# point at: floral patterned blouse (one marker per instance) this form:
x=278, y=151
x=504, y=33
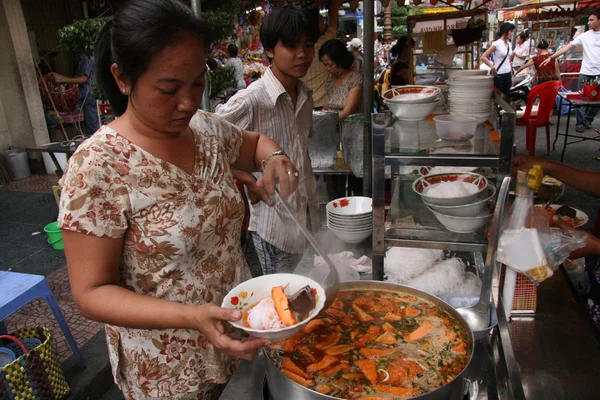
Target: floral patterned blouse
x=181, y=243
x=337, y=95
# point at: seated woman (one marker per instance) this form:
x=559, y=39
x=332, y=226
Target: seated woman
x=344, y=86
x=400, y=71
x=547, y=72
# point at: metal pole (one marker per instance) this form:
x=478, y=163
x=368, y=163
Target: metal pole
x=197, y=10
x=368, y=67
x=196, y=7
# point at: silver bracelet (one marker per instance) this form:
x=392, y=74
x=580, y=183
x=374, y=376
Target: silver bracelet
x=273, y=154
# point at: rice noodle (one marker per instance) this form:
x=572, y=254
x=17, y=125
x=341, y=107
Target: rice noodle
x=264, y=316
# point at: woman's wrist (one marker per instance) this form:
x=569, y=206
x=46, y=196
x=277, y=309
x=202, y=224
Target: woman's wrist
x=273, y=154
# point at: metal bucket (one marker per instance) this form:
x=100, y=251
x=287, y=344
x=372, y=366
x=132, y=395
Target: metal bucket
x=18, y=163
x=324, y=144
x=353, y=134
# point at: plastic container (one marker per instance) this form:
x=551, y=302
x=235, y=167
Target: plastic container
x=457, y=128
x=18, y=163
x=54, y=235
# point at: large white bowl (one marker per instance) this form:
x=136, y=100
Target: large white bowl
x=350, y=227
x=348, y=221
x=350, y=206
x=466, y=73
x=467, y=210
x=461, y=224
x=250, y=292
x=411, y=112
x=351, y=237
x=455, y=127
x=428, y=181
x=414, y=94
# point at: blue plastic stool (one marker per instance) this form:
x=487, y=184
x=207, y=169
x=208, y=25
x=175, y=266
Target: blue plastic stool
x=17, y=290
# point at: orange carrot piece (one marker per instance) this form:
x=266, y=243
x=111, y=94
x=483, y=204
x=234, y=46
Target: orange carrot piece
x=339, y=349
x=396, y=390
x=282, y=306
x=353, y=377
x=420, y=332
x=329, y=341
x=362, y=315
x=389, y=328
x=305, y=353
x=290, y=366
x=431, y=313
x=392, y=317
x=354, y=334
x=460, y=348
x=335, y=313
x=337, y=304
x=450, y=335
x=321, y=365
x=386, y=338
x=368, y=368
x=298, y=379
x=411, y=312
x=374, y=353
x=290, y=343
x=374, y=398
x=323, y=389
x=313, y=325
x=372, y=331
x=335, y=369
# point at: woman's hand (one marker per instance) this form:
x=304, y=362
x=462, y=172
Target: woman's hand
x=279, y=170
x=257, y=194
x=592, y=246
x=493, y=71
x=546, y=61
x=209, y=321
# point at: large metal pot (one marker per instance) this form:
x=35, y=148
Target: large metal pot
x=283, y=388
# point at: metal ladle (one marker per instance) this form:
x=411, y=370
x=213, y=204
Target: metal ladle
x=478, y=316
x=331, y=283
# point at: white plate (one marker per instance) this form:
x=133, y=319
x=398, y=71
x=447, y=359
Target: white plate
x=583, y=217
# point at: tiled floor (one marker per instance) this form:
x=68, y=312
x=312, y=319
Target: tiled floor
x=26, y=206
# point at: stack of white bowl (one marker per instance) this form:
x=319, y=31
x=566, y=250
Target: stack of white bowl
x=463, y=214
x=412, y=102
x=351, y=218
x=470, y=93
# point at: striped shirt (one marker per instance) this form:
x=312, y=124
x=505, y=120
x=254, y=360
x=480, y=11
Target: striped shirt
x=266, y=107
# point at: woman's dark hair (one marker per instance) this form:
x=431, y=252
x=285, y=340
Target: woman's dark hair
x=398, y=48
x=338, y=53
x=543, y=44
x=524, y=36
x=232, y=50
x=288, y=24
x=505, y=28
x=136, y=33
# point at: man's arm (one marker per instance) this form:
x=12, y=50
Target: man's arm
x=566, y=48
x=79, y=80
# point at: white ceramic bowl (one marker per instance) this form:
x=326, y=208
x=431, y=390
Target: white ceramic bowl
x=455, y=127
x=350, y=206
x=351, y=221
x=461, y=224
x=352, y=237
x=426, y=182
x=467, y=210
x=250, y=292
x=466, y=73
x=413, y=94
x=411, y=112
x=350, y=227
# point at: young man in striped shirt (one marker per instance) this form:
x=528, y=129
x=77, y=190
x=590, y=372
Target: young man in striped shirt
x=280, y=106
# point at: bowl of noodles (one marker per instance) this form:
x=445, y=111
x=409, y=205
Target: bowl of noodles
x=265, y=304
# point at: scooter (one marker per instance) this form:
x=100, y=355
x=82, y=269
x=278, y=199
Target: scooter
x=520, y=90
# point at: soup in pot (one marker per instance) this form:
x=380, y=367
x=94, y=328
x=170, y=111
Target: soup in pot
x=375, y=345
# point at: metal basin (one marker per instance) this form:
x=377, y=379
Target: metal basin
x=324, y=144
x=283, y=388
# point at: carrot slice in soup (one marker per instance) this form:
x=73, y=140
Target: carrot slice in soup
x=290, y=343
x=339, y=349
x=313, y=325
x=323, y=389
x=362, y=315
x=298, y=379
x=392, y=317
x=372, y=331
x=330, y=341
x=411, y=312
x=368, y=368
x=396, y=391
x=388, y=328
x=460, y=348
x=386, y=338
x=374, y=398
x=420, y=332
x=321, y=365
x=282, y=306
x=335, y=313
x=353, y=377
x=335, y=369
x=374, y=353
x=290, y=366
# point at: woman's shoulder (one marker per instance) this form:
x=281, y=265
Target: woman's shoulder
x=355, y=78
x=209, y=124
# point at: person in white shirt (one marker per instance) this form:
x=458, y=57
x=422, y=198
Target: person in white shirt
x=502, y=50
x=521, y=52
x=234, y=62
x=590, y=66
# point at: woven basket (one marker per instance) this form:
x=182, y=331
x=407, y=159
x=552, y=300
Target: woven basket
x=36, y=375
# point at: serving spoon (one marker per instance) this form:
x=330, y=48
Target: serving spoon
x=478, y=316
x=331, y=283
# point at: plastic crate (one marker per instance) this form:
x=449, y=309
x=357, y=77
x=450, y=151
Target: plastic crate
x=525, y=300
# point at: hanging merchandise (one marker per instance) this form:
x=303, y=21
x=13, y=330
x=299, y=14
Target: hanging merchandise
x=528, y=245
x=433, y=42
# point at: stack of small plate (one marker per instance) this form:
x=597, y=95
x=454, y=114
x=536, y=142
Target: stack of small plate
x=351, y=218
x=471, y=95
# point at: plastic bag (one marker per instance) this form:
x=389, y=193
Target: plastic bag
x=528, y=244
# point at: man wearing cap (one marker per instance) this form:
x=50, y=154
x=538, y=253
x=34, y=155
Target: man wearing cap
x=317, y=74
x=354, y=46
